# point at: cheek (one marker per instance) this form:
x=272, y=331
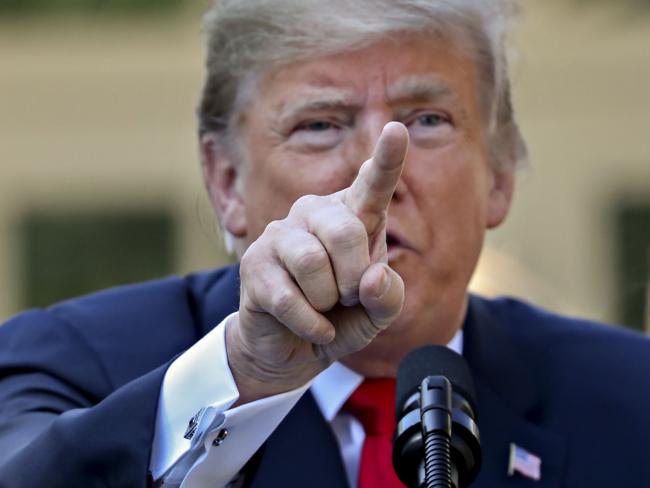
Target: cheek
x=308, y=174
x=451, y=197
x=449, y=184
x=267, y=198
x=274, y=184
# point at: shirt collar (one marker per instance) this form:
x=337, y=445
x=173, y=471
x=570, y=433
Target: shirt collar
x=332, y=388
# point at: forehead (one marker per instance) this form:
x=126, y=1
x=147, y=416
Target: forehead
x=404, y=67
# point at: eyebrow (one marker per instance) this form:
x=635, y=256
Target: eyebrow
x=419, y=88
x=408, y=89
x=424, y=89
x=323, y=100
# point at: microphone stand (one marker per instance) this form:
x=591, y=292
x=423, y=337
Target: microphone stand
x=436, y=422
x=437, y=441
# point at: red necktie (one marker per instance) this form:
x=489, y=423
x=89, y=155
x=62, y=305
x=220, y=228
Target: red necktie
x=373, y=404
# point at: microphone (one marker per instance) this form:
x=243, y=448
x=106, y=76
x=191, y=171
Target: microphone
x=437, y=442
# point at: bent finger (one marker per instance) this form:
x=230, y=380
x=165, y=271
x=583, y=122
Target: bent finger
x=381, y=292
x=344, y=237
x=307, y=261
x=275, y=293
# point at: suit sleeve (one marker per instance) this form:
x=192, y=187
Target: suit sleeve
x=200, y=380
x=62, y=422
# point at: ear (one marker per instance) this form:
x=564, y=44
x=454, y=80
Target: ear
x=222, y=177
x=503, y=184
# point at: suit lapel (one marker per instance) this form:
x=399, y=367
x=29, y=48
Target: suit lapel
x=304, y=452
x=509, y=403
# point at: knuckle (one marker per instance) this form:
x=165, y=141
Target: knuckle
x=349, y=233
x=274, y=227
x=249, y=262
x=311, y=260
x=282, y=302
x=306, y=201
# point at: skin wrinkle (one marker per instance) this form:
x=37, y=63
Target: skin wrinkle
x=240, y=43
x=407, y=91
x=236, y=147
x=444, y=200
x=322, y=101
x=264, y=58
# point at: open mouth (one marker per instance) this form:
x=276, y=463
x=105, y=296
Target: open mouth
x=392, y=242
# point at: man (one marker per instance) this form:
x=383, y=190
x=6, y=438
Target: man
x=346, y=266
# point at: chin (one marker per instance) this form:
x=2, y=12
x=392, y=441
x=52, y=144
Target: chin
x=405, y=330
x=397, y=327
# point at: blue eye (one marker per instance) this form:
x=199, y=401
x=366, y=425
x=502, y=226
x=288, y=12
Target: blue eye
x=316, y=126
x=430, y=120
x=430, y=129
x=317, y=134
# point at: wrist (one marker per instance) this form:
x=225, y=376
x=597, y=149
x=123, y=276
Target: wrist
x=257, y=379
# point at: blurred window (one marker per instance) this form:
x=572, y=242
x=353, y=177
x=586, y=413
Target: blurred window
x=90, y=6
x=633, y=220
x=66, y=255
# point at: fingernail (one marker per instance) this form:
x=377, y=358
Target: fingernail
x=350, y=300
x=385, y=282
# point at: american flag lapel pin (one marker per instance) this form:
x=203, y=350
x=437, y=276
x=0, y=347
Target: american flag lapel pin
x=525, y=463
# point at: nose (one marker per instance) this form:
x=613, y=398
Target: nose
x=368, y=131
x=368, y=128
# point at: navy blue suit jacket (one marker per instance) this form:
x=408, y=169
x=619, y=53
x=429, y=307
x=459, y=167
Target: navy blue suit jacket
x=79, y=385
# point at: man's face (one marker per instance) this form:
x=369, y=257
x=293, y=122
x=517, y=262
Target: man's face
x=311, y=125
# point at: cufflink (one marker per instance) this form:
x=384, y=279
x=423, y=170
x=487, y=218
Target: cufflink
x=221, y=436
x=193, y=424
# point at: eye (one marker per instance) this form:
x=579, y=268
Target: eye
x=430, y=120
x=316, y=126
x=429, y=129
x=317, y=134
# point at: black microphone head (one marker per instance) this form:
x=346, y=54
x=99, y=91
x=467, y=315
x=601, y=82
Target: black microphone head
x=433, y=361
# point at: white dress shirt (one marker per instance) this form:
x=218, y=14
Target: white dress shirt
x=199, y=441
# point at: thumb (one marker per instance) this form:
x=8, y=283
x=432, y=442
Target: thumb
x=381, y=292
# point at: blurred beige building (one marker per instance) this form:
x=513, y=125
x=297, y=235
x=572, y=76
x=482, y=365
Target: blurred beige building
x=97, y=116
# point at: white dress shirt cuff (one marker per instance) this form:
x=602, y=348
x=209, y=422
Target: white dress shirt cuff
x=197, y=440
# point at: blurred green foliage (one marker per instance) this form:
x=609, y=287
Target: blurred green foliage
x=36, y=7
x=66, y=255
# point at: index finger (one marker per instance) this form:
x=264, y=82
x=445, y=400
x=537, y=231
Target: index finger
x=372, y=190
